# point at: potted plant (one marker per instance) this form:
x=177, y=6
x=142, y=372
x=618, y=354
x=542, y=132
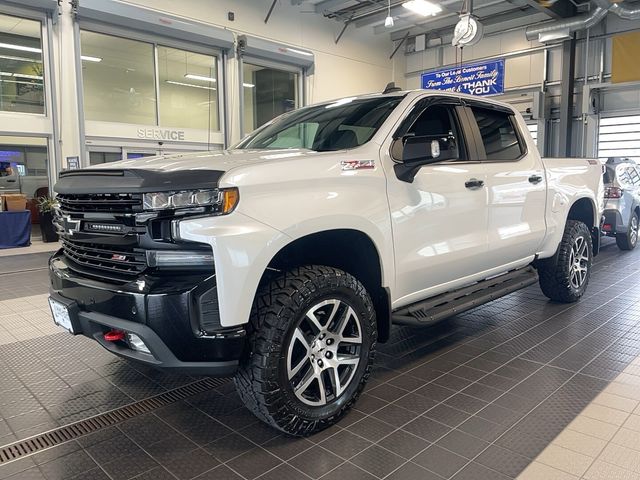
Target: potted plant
x=45, y=207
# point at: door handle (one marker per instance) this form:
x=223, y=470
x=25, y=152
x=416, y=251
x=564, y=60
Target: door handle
x=474, y=183
x=535, y=179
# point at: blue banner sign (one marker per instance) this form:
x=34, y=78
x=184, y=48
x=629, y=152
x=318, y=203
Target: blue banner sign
x=486, y=78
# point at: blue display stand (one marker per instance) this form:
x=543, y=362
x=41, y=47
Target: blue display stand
x=15, y=229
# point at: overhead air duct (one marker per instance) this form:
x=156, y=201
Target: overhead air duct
x=623, y=12
x=561, y=30
x=556, y=31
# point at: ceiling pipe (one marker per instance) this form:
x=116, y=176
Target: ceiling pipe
x=623, y=12
x=564, y=28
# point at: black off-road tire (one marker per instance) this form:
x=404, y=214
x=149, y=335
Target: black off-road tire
x=262, y=381
x=555, y=273
x=628, y=241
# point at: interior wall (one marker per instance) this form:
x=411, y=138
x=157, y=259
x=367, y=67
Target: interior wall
x=358, y=64
x=525, y=74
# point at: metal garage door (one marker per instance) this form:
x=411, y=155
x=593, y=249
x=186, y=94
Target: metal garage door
x=619, y=137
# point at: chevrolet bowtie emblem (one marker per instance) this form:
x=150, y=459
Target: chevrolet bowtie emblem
x=70, y=225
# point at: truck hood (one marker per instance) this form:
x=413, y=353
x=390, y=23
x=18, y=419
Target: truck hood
x=168, y=172
x=223, y=160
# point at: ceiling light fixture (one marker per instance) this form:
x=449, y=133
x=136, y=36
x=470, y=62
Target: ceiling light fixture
x=88, y=58
x=20, y=59
x=193, y=76
x=300, y=52
x=422, y=7
x=182, y=84
x=30, y=77
x=21, y=82
x=21, y=48
x=388, y=22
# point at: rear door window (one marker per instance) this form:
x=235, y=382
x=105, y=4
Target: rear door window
x=498, y=133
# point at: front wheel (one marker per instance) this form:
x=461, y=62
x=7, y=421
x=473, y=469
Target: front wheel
x=312, y=344
x=565, y=277
x=628, y=241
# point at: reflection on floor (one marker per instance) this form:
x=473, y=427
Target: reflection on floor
x=37, y=246
x=489, y=394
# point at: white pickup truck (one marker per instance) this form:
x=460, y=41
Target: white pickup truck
x=284, y=260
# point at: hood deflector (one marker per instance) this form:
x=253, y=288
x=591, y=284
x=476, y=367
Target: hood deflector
x=135, y=180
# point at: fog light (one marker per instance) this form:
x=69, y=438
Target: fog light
x=136, y=343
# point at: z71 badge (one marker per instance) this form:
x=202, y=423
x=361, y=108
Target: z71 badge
x=357, y=164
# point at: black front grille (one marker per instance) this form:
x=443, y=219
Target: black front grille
x=127, y=261
x=117, y=203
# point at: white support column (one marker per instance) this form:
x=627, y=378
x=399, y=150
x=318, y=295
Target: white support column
x=233, y=91
x=65, y=69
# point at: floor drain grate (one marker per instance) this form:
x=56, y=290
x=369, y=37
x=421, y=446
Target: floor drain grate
x=43, y=441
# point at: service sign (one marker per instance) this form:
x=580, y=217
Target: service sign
x=486, y=78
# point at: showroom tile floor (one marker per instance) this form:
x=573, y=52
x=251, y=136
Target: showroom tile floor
x=520, y=386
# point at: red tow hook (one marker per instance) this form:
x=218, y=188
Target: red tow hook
x=114, y=336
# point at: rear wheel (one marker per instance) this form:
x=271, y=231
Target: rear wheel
x=312, y=339
x=628, y=241
x=564, y=278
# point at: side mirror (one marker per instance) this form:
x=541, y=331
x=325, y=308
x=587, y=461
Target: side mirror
x=426, y=149
x=418, y=151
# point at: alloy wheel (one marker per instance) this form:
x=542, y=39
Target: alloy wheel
x=324, y=352
x=633, y=230
x=578, y=262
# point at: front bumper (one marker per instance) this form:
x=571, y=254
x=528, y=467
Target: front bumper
x=164, y=311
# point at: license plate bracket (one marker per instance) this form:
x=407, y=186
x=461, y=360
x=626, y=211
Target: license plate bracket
x=62, y=315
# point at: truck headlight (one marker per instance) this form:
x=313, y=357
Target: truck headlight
x=224, y=200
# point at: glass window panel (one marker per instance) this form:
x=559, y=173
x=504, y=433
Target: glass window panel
x=325, y=127
x=21, y=67
x=498, y=134
x=268, y=92
x=188, y=85
x=134, y=155
x=118, y=79
x=96, y=158
x=24, y=166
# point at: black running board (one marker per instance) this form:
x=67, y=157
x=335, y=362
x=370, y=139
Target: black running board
x=438, y=308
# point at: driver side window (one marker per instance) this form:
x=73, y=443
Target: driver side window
x=437, y=122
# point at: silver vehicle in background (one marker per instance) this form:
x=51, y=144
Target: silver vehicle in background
x=622, y=197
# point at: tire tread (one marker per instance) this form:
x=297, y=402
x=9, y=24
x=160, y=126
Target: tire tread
x=554, y=277
x=277, y=299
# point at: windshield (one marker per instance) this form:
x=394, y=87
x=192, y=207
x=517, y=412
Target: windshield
x=346, y=123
